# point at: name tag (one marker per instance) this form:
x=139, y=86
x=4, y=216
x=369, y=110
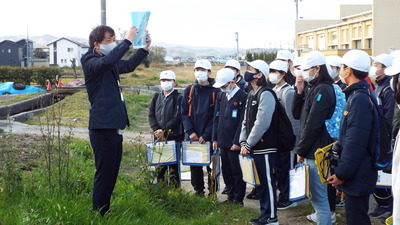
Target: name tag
x=234, y=113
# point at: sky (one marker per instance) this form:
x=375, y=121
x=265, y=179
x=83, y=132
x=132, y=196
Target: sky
x=211, y=23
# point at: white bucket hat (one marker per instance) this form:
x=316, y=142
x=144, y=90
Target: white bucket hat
x=168, y=75
x=260, y=65
x=357, y=59
x=395, y=68
x=224, y=76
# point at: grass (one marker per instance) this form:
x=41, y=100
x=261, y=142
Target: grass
x=75, y=109
x=134, y=201
x=11, y=99
x=150, y=76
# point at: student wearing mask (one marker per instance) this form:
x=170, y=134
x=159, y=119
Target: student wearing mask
x=228, y=117
x=166, y=123
x=394, y=71
x=284, y=160
x=334, y=63
x=355, y=174
x=286, y=56
x=235, y=66
x=386, y=102
x=102, y=65
x=313, y=103
x=197, y=117
x=258, y=138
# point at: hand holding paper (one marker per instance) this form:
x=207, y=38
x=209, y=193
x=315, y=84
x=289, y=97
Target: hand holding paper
x=132, y=33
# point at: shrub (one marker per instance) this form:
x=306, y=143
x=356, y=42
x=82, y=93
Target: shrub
x=29, y=75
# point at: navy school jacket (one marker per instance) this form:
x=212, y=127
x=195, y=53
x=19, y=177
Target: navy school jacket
x=107, y=110
x=202, y=109
x=228, y=117
x=358, y=128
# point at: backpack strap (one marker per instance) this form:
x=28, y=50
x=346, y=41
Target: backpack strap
x=213, y=97
x=190, y=98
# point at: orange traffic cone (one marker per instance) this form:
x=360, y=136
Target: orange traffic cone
x=48, y=85
x=59, y=83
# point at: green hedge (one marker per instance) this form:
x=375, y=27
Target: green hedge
x=37, y=75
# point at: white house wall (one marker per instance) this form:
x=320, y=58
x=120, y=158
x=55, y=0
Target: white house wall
x=64, y=56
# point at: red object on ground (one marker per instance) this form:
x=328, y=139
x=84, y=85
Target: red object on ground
x=48, y=85
x=59, y=83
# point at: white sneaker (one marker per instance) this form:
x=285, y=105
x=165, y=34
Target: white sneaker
x=313, y=217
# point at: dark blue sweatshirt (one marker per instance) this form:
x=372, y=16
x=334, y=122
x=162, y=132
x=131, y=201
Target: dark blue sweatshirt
x=202, y=109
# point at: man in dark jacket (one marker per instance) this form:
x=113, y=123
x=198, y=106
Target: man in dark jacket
x=166, y=122
x=108, y=118
x=197, y=117
x=355, y=174
x=228, y=116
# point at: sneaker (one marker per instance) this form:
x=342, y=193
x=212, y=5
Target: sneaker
x=264, y=221
x=380, y=212
x=250, y=195
x=313, y=217
x=226, y=191
x=340, y=203
x=285, y=204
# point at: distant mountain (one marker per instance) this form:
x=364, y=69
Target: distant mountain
x=173, y=50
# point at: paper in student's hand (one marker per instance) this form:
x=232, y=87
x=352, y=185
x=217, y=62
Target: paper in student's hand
x=140, y=20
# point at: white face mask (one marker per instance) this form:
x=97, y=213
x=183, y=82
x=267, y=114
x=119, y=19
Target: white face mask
x=307, y=77
x=167, y=85
x=273, y=77
x=342, y=79
x=201, y=76
x=227, y=89
x=372, y=72
x=334, y=74
x=105, y=49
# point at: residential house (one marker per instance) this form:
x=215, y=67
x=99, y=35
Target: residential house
x=16, y=53
x=63, y=51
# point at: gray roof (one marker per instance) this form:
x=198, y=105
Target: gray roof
x=77, y=43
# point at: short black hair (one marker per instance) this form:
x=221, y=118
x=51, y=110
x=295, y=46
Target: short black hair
x=97, y=34
x=359, y=74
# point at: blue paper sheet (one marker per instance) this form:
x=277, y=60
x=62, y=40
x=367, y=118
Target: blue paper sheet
x=140, y=20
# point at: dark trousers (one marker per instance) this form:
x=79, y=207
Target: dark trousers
x=197, y=180
x=267, y=188
x=232, y=174
x=282, y=167
x=383, y=196
x=332, y=197
x=357, y=210
x=173, y=170
x=107, y=149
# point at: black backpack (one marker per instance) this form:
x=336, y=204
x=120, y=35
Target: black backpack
x=286, y=137
x=383, y=152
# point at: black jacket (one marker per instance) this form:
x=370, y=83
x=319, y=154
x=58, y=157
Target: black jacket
x=201, y=119
x=165, y=114
x=315, y=105
x=228, y=119
x=358, y=129
x=386, y=95
x=107, y=110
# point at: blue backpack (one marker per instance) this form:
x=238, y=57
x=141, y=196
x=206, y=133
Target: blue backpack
x=333, y=124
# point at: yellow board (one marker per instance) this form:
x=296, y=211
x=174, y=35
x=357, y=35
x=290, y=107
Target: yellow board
x=323, y=165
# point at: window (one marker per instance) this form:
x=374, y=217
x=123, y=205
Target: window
x=9, y=50
x=70, y=50
x=357, y=44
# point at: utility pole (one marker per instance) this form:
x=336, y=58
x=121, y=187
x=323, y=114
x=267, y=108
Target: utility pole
x=103, y=12
x=28, y=61
x=297, y=8
x=237, y=45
